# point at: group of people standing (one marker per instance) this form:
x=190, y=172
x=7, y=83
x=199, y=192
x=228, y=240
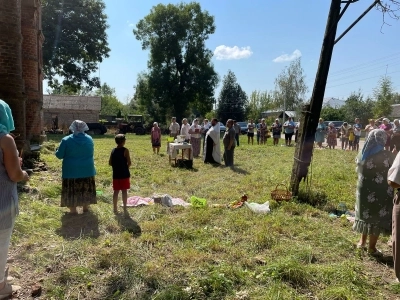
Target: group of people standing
x=263, y=133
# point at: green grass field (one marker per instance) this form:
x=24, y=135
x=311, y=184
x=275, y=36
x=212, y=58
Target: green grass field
x=295, y=252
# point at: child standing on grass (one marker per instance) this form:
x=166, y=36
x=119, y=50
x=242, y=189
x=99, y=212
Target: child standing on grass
x=351, y=139
x=120, y=162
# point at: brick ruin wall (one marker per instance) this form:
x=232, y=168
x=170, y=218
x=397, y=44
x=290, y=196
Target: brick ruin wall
x=21, y=74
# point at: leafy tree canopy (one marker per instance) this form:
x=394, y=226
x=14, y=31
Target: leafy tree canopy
x=258, y=103
x=110, y=105
x=290, y=86
x=180, y=72
x=384, y=97
x=232, y=101
x=75, y=41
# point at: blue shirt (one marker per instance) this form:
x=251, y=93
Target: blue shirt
x=77, y=151
x=289, y=123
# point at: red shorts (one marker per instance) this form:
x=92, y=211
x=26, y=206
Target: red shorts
x=121, y=184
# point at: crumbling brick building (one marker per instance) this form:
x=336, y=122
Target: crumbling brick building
x=21, y=74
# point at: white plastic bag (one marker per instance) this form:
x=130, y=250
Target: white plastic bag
x=258, y=208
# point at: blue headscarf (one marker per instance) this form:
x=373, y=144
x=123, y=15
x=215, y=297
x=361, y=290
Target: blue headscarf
x=6, y=118
x=375, y=143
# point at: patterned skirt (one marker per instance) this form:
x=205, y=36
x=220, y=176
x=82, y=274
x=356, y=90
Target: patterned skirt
x=78, y=192
x=196, y=143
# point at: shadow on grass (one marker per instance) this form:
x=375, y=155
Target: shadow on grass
x=84, y=225
x=128, y=224
x=238, y=170
x=386, y=260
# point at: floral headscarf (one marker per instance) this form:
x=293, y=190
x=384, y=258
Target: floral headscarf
x=375, y=143
x=6, y=118
x=78, y=126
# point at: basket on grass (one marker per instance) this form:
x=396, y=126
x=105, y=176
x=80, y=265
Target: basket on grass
x=281, y=194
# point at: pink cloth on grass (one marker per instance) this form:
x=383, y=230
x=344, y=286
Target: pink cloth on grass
x=137, y=201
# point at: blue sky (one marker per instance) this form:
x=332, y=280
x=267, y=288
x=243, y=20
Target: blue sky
x=257, y=38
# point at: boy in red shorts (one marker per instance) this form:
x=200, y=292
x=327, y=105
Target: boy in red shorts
x=120, y=162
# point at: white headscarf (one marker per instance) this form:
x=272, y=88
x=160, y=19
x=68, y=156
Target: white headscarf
x=78, y=126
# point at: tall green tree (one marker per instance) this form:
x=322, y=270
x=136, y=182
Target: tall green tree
x=329, y=113
x=180, y=72
x=259, y=102
x=384, y=97
x=291, y=87
x=356, y=106
x=110, y=105
x=75, y=41
x=232, y=100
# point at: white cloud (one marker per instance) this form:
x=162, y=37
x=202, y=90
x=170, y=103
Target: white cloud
x=224, y=52
x=286, y=57
x=130, y=24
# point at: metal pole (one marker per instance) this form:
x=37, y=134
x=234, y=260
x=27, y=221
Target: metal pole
x=304, y=149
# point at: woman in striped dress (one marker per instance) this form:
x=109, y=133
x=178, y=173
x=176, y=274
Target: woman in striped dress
x=10, y=174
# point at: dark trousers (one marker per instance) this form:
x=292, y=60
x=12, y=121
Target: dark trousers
x=237, y=139
x=228, y=157
x=396, y=234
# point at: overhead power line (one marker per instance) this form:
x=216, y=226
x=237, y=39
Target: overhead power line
x=328, y=87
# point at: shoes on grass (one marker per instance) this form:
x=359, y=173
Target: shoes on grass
x=375, y=252
x=361, y=246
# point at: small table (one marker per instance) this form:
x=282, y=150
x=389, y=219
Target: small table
x=173, y=151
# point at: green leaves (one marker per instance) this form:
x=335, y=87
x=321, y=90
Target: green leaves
x=75, y=41
x=180, y=73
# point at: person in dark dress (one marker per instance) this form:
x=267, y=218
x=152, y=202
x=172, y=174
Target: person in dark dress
x=120, y=161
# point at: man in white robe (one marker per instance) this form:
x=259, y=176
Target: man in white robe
x=212, y=146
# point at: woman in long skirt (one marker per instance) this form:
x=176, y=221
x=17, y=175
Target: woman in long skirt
x=195, y=137
x=331, y=140
x=155, y=138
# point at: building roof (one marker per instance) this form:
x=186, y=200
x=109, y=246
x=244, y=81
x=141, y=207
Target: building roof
x=395, y=111
x=71, y=102
x=289, y=113
x=333, y=102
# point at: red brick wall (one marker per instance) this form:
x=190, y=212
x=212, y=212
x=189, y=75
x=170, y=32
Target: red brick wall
x=11, y=82
x=31, y=68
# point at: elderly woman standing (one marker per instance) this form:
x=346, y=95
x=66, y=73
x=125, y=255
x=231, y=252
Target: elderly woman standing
x=332, y=133
x=195, y=137
x=155, y=138
x=373, y=197
x=387, y=128
x=10, y=174
x=371, y=126
x=78, y=184
x=395, y=140
x=320, y=133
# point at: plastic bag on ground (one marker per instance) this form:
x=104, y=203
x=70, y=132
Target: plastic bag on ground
x=198, y=202
x=166, y=200
x=258, y=208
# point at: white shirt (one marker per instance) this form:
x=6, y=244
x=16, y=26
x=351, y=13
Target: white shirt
x=193, y=134
x=394, y=171
x=185, y=131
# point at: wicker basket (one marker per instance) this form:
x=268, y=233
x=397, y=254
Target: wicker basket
x=281, y=194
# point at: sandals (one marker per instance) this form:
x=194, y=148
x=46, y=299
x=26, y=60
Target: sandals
x=375, y=252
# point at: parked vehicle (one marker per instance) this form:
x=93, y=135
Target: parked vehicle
x=134, y=124
x=243, y=127
x=222, y=127
x=94, y=128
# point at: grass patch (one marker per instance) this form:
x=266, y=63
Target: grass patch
x=154, y=252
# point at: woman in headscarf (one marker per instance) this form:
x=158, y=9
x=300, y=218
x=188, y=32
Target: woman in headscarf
x=320, y=133
x=195, y=137
x=395, y=140
x=10, y=174
x=387, y=127
x=212, y=153
x=331, y=140
x=78, y=181
x=155, y=138
x=373, y=196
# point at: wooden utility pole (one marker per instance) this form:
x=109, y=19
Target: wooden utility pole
x=309, y=121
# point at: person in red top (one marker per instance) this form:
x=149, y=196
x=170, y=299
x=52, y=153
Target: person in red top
x=120, y=162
